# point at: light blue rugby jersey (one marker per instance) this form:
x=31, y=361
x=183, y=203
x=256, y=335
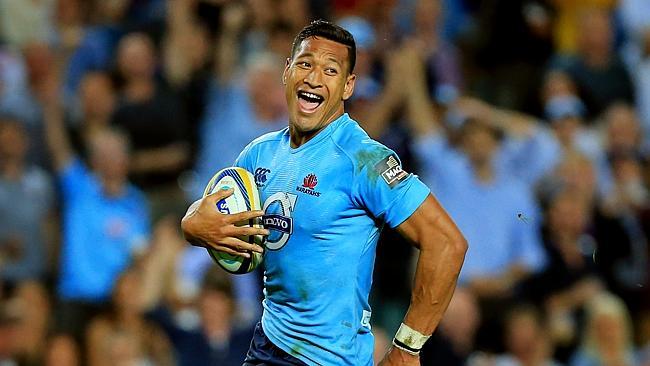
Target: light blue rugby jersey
x=325, y=204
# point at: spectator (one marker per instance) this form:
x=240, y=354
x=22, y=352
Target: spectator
x=62, y=350
x=124, y=332
x=453, y=343
x=98, y=42
x=97, y=101
x=100, y=207
x=31, y=336
x=23, y=22
x=464, y=177
x=567, y=21
x=24, y=252
x=526, y=339
x=571, y=278
x=455, y=174
x=10, y=316
x=641, y=70
x=153, y=119
x=608, y=334
x=217, y=339
x=600, y=75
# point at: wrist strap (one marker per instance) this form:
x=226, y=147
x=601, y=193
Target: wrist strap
x=405, y=348
x=409, y=340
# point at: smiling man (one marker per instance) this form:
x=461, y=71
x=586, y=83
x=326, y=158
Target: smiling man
x=328, y=189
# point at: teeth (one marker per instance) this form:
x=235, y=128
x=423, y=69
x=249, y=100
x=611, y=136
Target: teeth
x=311, y=95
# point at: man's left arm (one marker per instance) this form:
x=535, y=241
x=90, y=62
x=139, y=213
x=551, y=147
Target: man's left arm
x=442, y=251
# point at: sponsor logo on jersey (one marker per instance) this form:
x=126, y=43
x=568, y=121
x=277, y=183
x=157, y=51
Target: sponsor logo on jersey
x=260, y=176
x=390, y=170
x=280, y=221
x=308, y=185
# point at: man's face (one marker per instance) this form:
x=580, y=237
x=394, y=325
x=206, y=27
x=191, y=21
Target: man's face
x=479, y=143
x=317, y=81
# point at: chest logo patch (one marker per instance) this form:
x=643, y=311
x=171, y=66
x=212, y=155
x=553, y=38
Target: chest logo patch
x=309, y=185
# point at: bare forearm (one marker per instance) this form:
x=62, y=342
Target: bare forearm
x=419, y=107
x=381, y=113
x=56, y=136
x=515, y=123
x=435, y=280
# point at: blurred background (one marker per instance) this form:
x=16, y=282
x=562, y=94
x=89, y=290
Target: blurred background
x=528, y=119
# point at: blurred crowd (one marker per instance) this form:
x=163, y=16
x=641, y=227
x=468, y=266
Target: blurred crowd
x=528, y=119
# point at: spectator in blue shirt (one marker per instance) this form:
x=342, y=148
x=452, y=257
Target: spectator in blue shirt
x=23, y=253
x=105, y=218
x=495, y=210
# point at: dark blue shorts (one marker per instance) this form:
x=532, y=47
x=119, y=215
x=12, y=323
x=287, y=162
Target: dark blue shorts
x=264, y=353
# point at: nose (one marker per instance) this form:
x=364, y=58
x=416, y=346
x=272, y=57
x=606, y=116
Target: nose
x=313, y=78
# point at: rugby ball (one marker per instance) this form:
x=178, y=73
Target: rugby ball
x=245, y=197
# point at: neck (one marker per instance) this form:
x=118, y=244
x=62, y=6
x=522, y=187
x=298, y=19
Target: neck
x=299, y=138
x=128, y=318
x=139, y=89
x=597, y=59
x=113, y=187
x=483, y=171
x=219, y=331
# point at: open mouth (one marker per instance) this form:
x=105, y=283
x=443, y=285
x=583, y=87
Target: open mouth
x=308, y=102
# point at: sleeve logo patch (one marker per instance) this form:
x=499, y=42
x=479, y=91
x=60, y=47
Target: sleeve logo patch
x=390, y=170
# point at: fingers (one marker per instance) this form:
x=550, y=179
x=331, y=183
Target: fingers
x=230, y=251
x=240, y=245
x=247, y=231
x=215, y=197
x=244, y=216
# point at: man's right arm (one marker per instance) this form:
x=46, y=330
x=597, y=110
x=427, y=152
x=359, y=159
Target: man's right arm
x=203, y=225
x=55, y=134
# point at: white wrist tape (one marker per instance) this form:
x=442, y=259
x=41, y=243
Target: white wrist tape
x=409, y=340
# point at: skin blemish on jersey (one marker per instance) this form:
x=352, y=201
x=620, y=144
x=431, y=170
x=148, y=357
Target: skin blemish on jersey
x=368, y=159
x=272, y=289
x=302, y=292
x=296, y=349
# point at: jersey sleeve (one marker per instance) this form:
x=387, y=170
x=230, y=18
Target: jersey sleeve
x=245, y=160
x=382, y=187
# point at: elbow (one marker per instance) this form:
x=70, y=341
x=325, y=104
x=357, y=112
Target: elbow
x=458, y=247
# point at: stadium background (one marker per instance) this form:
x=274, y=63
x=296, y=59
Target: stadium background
x=545, y=103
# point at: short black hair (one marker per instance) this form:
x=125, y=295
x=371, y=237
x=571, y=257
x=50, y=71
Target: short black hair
x=331, y=31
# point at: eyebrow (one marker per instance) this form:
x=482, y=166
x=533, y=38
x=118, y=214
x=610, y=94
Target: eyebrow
x=311, y=54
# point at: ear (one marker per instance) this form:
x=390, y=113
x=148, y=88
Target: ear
x=348, y=89
x=286, y=69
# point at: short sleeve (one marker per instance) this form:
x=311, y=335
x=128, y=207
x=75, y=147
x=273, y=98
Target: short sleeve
x=244, y=159
x=73, y=178
x=388, y=192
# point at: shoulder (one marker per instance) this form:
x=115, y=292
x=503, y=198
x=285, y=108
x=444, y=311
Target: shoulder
x=363, y=152
x=266, y=141
x=268, y=138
